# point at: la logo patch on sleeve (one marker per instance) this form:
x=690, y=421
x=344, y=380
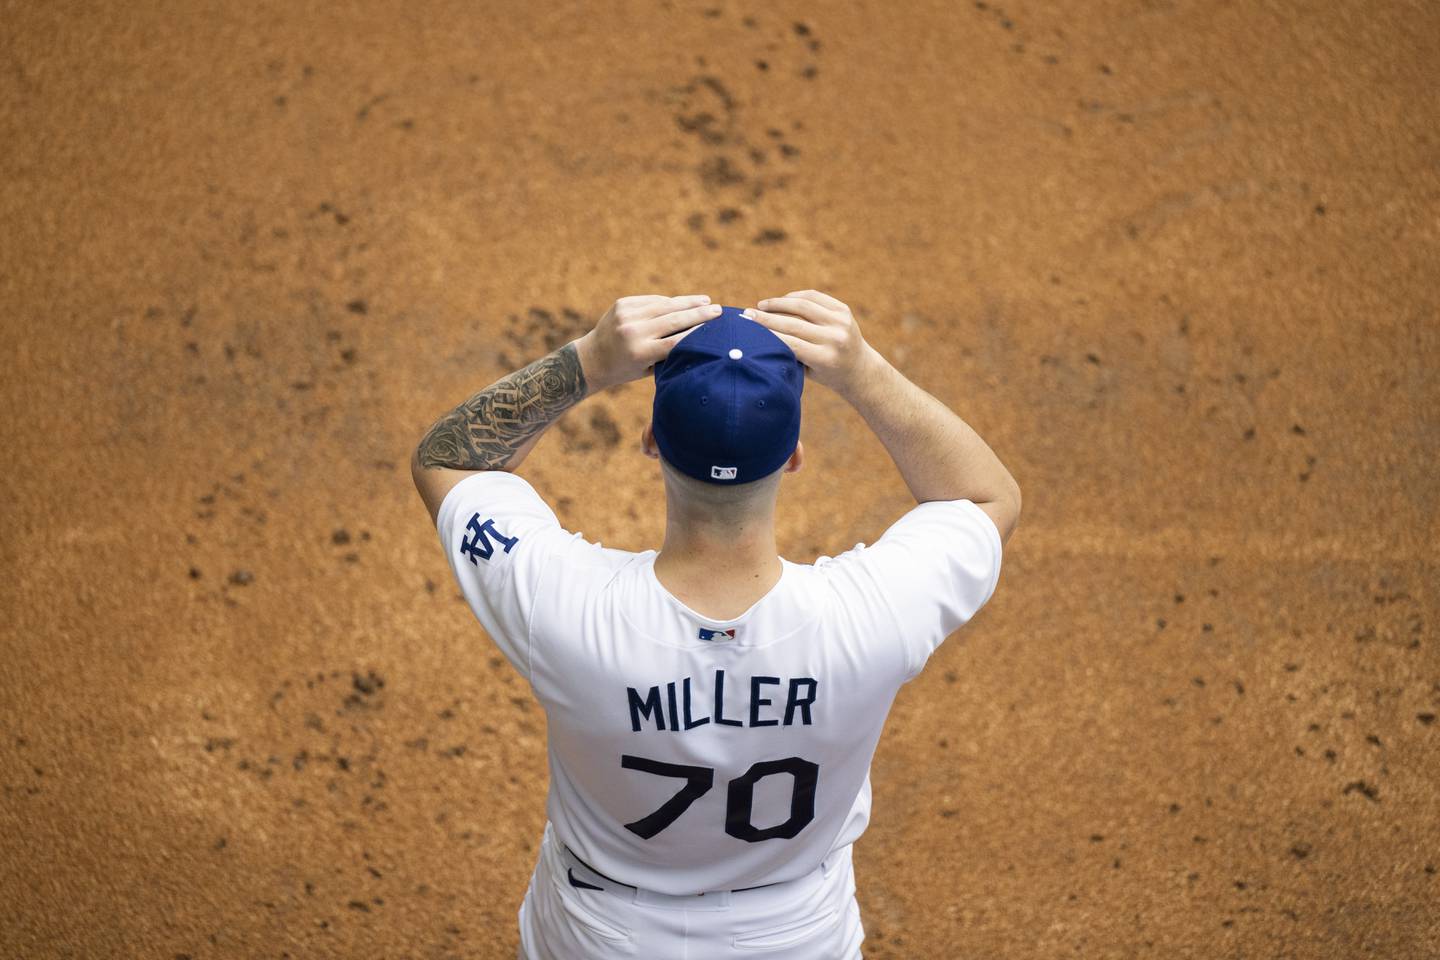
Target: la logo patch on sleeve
x=476, y=545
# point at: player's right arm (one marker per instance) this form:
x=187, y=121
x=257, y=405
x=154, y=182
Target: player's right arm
x=938, y=454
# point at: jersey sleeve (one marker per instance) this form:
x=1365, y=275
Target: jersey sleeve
x=500, y=538
x=926, y=576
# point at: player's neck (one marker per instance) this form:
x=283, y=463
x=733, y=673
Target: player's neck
x=719, y=570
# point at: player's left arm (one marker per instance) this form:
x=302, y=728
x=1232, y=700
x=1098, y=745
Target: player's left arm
x=498, y=427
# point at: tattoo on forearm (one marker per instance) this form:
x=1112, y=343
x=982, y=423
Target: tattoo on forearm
x=484, y=432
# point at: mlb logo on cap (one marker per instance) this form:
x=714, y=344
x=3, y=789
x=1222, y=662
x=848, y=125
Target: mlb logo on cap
x=722, y=473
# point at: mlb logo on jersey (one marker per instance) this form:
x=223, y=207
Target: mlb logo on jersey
x=723, y=473
x=717, y=634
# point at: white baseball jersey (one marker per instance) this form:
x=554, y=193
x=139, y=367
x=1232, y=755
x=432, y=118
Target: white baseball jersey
x=689, y=754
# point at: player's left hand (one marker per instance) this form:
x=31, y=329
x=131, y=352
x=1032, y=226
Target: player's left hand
x=636, y=333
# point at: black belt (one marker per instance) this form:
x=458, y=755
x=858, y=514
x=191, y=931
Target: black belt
x=631, y=885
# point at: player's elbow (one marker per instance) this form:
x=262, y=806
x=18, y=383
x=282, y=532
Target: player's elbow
x=1007, y=509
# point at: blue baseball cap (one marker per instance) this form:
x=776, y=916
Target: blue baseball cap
x=727, y=401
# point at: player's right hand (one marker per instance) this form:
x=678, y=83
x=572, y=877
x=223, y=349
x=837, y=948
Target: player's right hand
x=822, y=332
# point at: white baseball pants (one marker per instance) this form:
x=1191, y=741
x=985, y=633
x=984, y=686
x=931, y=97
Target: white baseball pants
x=815, y=917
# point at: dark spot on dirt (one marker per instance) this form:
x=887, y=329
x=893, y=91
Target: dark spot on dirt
x=718, y=171
x=606, y=430
x=1174, y=808
x=1160, y=623
x=1319, y=209
x=1096, y=837
x=1425, y=718
x=339, y=537
x=696, y=222
x=242, y=578
x=762, y=65
x=340, y=218
x=727, y=214
x=1369, y=792
x=1198, y=681
x=702, y=125
x=195, y=573
x=768, y=237
x=358, y=306
x=810, y=72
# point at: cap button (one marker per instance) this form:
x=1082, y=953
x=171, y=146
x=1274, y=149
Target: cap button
x=736, y=353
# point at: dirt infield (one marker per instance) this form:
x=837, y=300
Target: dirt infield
x=1175, y=260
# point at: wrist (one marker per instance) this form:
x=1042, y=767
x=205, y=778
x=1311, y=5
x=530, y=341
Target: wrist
x=591, y=365
x=868, y=368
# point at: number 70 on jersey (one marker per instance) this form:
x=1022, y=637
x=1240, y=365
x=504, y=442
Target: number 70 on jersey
x=740, y=796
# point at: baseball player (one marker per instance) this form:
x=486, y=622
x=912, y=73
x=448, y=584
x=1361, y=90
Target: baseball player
x=713, y=707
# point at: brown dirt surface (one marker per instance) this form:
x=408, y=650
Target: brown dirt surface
x=1176, y=260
